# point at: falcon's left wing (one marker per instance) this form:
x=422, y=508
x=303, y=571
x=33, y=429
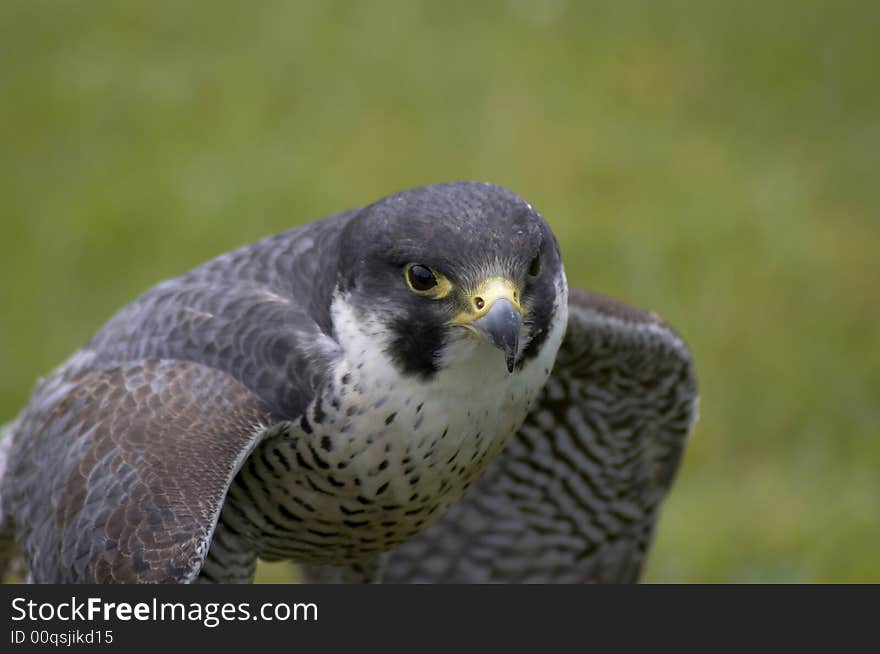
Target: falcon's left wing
x=575, y=495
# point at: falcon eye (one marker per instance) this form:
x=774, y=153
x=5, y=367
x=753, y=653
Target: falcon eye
x=424, y=281
x=535, y=266
x=420, y=278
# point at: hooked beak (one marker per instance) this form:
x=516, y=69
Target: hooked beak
x=500, y=326
x=496, y=315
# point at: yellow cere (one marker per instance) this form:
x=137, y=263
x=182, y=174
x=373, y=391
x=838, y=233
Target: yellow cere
x=481, y=299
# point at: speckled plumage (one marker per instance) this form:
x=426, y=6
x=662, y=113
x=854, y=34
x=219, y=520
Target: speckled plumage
x=378, y=461
x=293, y=399
x=575, y=495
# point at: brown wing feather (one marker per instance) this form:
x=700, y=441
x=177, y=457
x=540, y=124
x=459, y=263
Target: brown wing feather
x=119, y=475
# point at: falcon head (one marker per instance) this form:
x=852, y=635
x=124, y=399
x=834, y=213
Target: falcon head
x=433, y=273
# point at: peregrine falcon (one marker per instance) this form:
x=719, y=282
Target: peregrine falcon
x=404, y=390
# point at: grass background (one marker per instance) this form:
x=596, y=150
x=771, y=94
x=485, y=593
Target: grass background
x=714, y=161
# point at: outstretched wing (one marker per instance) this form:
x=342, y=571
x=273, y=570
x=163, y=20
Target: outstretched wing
x=121, y=461
x=575, y=495
x=119, y=475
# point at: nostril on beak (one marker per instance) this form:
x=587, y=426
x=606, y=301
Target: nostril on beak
x=479, y=303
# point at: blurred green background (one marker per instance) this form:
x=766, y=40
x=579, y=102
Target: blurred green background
x=714, y=161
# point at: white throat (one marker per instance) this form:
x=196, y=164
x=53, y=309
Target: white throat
x=473, y=392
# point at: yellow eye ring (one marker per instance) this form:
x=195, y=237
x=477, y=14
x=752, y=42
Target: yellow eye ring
x=425, y=281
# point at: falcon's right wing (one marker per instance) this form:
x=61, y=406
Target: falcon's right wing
x=119, y=466
x=119, y=475
x=575, y=495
